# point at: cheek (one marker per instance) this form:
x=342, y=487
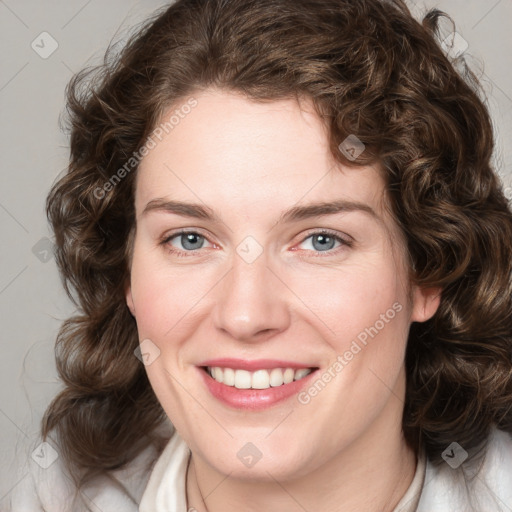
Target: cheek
x=168, y=299
x=372, y=333
x=347, y=302
x=150, y=295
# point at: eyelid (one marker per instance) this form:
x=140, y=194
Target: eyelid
x=326, y=231
x=344, y=239
x=184, y=231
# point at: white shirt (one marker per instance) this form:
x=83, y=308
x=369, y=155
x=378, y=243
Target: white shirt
x=157, y=483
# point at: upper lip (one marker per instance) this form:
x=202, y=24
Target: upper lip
x=254, y=364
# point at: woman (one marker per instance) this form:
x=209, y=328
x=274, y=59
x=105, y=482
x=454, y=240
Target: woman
x=292, y=260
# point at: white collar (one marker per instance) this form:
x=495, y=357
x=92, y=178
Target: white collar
x=171, y=469
x=166, y=488
x=437, y=488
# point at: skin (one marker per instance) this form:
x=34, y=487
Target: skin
x=249, y=162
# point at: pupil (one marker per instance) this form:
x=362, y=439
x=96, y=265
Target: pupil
x=190, y=239
x=325, y=242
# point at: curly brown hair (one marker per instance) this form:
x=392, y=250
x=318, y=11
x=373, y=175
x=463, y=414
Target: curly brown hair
x=371, y=70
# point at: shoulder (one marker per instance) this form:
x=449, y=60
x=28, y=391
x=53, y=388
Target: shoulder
x=464, y=488
x=44, y=484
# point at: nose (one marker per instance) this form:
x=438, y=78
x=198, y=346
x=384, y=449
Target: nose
x=251, y=302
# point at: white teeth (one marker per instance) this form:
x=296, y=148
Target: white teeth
x=217, y=374
x=227, y=376
x=260, y=379
x=288, y=375
x=301, y=373
x=242, y=379
x=276, y=377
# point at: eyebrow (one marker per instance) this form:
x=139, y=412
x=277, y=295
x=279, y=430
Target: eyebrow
x=294, y=214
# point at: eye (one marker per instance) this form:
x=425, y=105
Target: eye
x=185, y=241
x=324, y=241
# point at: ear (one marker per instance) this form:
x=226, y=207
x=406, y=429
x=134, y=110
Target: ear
x=425, y=303
x=129, y=298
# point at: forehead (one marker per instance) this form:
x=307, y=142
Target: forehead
x=232, y=152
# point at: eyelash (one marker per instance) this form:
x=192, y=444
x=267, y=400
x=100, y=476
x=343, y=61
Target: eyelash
x=344, y=242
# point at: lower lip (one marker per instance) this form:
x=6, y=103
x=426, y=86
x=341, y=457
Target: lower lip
x=253, y=399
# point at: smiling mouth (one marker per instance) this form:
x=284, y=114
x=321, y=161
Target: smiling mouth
x=259, y=379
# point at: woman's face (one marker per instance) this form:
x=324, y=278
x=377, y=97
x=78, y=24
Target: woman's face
x=290, y=261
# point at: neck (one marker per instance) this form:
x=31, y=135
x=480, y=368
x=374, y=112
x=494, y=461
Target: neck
x=372, y=475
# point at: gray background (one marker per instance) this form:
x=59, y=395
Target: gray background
x=34, y=152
